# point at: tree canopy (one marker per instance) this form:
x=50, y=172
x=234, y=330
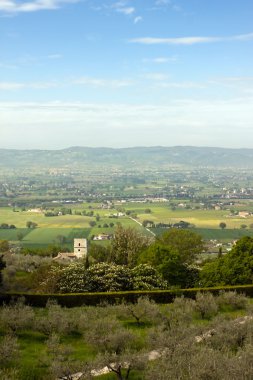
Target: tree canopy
x=187, y=243
x=126, y=246
x=4, y=245
x=234, y=268
x=169, y=264
x=102, y=277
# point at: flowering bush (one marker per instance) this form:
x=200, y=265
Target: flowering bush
x=104, y=277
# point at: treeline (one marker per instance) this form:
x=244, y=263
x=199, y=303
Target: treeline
x=233, y=268
x=152, y=224
x=6, y=226
x=129, y=262
x=133, y=262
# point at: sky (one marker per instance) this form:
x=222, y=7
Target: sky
x=126, y=73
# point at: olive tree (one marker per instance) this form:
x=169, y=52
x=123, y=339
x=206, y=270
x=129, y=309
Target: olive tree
x=108, y=335
x=16, y=316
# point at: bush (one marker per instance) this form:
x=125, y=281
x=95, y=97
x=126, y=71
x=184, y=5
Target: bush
x=4, y=245
x=107, y=335
x=8, y=349
x=146, y=277
x=205, y=305
x=56, y=322
x=231, y=300
x=104, y=277
x=16, y=316
x=181, y=312
x=230, y=335
x=9, y=374
x=143, y=311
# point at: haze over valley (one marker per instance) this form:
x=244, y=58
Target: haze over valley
x=126, y=189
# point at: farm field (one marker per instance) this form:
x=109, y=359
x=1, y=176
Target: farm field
x=225, y=235
x=161, y=212
x=200, y=218
x=205, y=222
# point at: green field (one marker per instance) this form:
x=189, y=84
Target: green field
x=159, y=213
x=206, y=223
x=12, y=234
x=40, y=237
x=211, y=233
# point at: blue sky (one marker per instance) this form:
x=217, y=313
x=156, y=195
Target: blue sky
x=126, y=73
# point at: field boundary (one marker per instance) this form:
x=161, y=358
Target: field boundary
x=95, y=299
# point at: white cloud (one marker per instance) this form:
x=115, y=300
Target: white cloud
x=54, y=56
x=243, y=37
x=12, y=86
x=233, y=80
x=162, y=2
x=179, y=122
x=14, y=6
x=190, y=40
x=9, y=86
x=182, y=85
x=161, y=60
x=123, y=7
x=126, y=11
x=174, y=41
x=28, y=60
x=138, y=19
x=165, y=4
x=99, y=82
x=240, y=84
x=156, y=76
x=84, y=81
x=159, y=79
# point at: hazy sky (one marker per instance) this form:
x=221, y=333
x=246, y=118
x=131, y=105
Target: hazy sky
x=126, y=73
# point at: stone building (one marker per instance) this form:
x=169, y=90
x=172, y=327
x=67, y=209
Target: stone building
x=80, y=248
x=80, y=251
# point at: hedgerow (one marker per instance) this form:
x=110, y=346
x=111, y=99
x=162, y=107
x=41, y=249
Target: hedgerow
x=93, y=299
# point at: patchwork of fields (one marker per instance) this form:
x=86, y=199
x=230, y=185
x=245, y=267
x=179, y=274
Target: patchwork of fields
x=206, y=223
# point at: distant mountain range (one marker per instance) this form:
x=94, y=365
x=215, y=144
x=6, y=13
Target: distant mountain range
x=154, y=157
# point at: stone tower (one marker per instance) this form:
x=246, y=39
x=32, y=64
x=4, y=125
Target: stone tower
x=80, y=248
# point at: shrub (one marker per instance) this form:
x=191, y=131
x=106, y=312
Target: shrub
x=205, y=305
x=56, y=322
x=9, y=349
x=104, y=277
x=145, y=277
x=108, y=335
x=9, y=374
x=180, y=313
x=16, y=316
x=143, y=311
x=231, y=300
x=230, y=335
